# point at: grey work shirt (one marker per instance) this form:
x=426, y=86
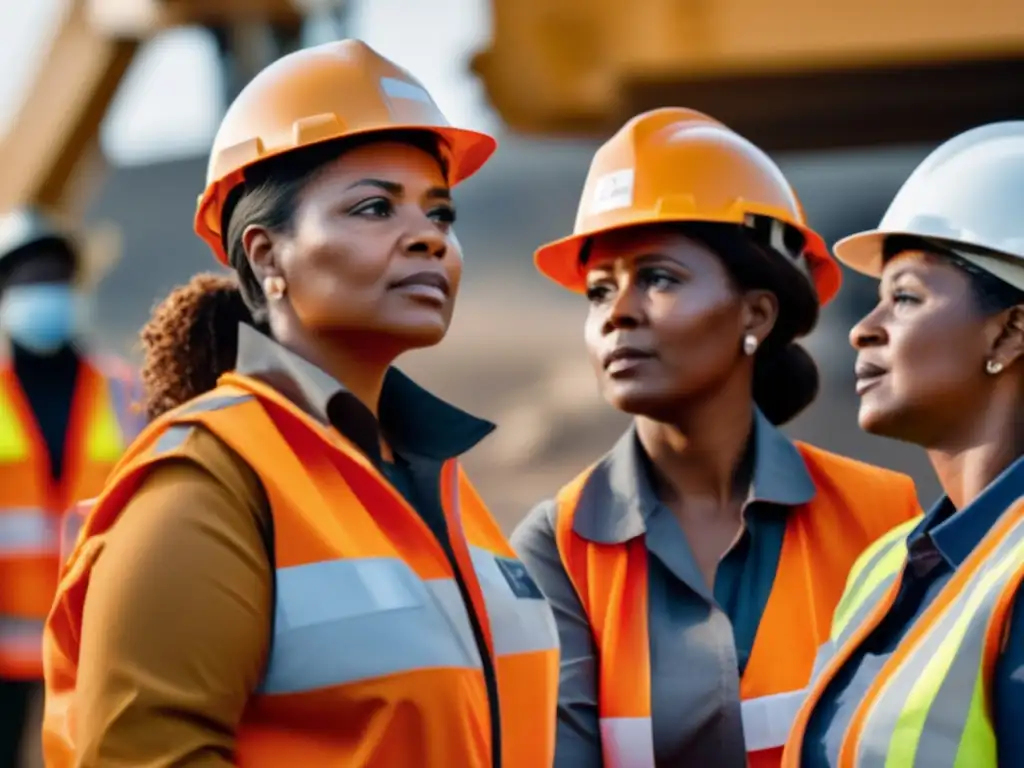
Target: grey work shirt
x=700, y=642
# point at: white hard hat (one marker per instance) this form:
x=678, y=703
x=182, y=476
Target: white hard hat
x=967, y=197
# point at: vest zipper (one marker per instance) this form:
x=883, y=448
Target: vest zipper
x=490, y=671
x=427, y=479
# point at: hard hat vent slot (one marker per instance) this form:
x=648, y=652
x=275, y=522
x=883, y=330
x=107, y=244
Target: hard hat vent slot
x=243, y=153
x=681, y=206
x=314, y=128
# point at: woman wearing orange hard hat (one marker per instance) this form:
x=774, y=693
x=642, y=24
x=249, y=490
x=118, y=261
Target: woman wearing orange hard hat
x=289, y=567
x=694, y=569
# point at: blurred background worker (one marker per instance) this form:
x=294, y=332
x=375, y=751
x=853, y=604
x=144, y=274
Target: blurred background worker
x=65, y=418
x=291, y=567
x=694, y=569
x=926, y=667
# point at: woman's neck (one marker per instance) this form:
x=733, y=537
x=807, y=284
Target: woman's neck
x=968, y=462
x=360, y=368
x=703, y=453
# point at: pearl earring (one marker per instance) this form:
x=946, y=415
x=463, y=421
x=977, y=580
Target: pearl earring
x=274, y=287
x=992, y=367
x=749, y=344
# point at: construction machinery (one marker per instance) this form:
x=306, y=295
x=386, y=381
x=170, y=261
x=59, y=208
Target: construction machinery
x=788, y=74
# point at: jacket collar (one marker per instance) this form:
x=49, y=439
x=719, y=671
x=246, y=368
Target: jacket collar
x=619, y=497
x=957, y=532
x=413, y=420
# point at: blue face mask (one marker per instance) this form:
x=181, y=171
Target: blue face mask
x=39, y=317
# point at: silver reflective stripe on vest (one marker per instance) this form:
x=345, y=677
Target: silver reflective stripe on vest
x=21, y=637
x=865, y=604
x=865, y=607
x=28, y=531
x=767, y=719
x=129, y=421
x=342, y=621
x=940, y=678
x=627, y=742
x=71, y=525
x=520, y=623
x=821, y=659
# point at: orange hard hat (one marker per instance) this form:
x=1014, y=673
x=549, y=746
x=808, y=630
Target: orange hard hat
x=679, y=165
x=327, y=92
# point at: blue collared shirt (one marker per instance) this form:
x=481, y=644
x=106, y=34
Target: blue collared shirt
x=936, y=547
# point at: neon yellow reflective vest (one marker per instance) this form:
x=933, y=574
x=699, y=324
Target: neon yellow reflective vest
x=32, y=504
x=929, y=705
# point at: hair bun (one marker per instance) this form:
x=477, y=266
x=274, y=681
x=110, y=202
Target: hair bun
x=786, y=381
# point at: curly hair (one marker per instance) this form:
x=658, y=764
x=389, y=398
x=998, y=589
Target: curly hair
x=192, y=336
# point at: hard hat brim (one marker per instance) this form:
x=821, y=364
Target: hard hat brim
x=559, y=260
x=468, y=152
x=864, y=252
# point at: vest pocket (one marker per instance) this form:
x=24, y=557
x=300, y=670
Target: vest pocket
x=338, y=622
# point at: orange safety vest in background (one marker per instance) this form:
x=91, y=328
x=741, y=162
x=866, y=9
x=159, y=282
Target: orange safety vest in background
x=822, y=540
x=373, y=661
x=100, y=427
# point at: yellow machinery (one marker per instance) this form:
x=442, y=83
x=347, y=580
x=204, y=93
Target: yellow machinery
x=787, y=73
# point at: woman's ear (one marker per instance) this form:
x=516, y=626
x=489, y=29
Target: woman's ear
x=260, y=244
x=760, y=311
x=1009, y=345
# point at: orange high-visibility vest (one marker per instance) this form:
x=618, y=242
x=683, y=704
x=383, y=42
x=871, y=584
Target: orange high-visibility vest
x=100, y=427
x=373, y=661
x=853, y=505
x=930, y=703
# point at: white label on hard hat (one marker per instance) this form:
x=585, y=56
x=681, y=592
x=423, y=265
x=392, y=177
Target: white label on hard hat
x=399, y=89
x=613, y=190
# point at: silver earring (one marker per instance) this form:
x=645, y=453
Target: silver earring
x=749, y=344
x=274, y=287
x=993, y=367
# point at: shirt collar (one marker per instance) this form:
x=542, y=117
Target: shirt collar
x=619, y=497
x=957, y=532
x=413, y=420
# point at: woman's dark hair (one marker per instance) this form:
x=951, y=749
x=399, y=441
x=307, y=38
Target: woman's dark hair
x=786, y=378
x=192, y=336
x=990, y=294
